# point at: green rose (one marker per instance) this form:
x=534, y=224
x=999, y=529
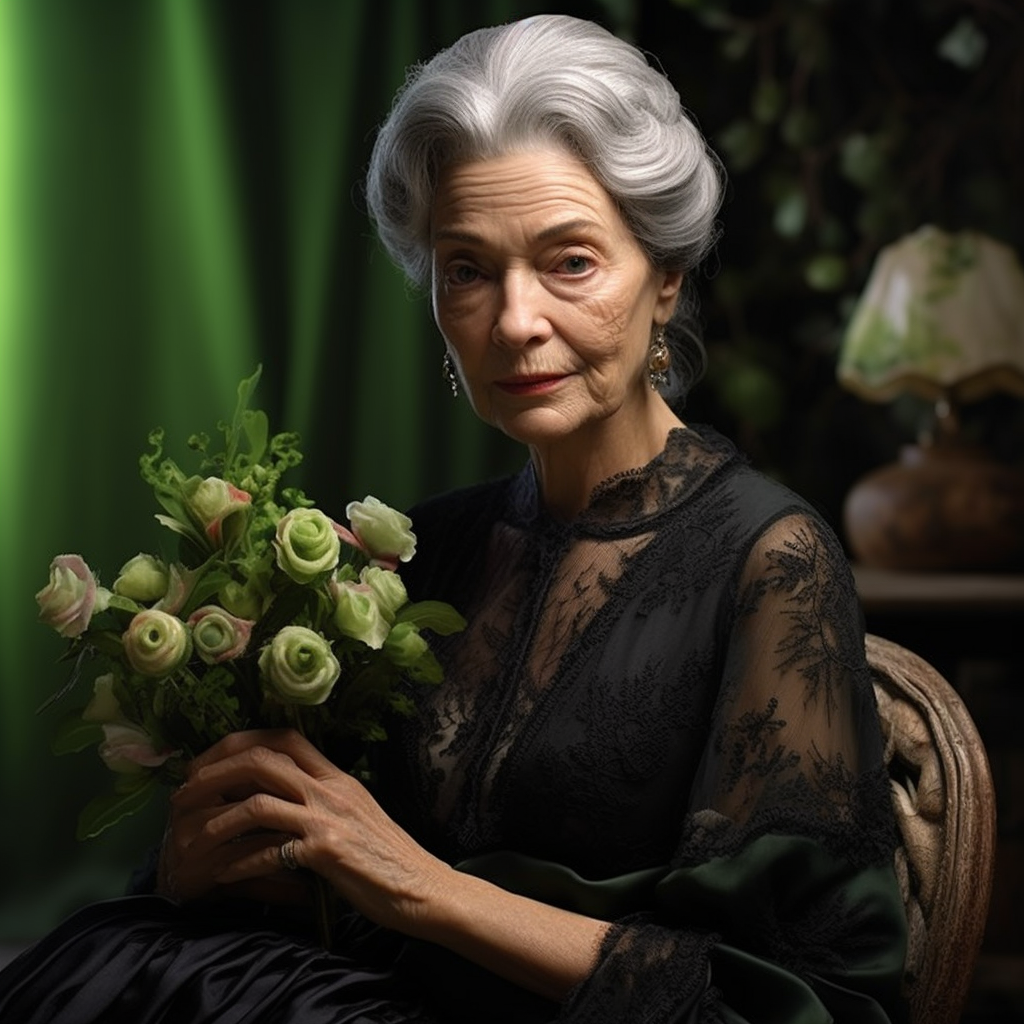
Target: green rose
x=298, y=666
x=306, y=544
x=388, y=588
x=143, y=578
x=383, y=533
x=219, y=636
x=156, y=644
x=357, y=613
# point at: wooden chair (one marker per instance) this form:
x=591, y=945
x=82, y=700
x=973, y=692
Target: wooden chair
x=945, y=807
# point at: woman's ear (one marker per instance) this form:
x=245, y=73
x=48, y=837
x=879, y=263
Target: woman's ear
x=668, y=295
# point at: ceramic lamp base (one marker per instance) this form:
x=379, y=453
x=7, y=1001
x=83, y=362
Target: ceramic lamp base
x=944, y=506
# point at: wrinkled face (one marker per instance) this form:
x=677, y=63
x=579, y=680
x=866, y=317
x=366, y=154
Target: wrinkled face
x=543, y=295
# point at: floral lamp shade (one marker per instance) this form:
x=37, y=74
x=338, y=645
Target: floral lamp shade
x=942, y=316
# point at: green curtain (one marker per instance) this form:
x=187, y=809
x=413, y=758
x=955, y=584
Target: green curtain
x=179, y=201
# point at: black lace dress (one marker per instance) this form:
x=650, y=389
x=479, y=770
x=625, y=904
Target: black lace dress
x=659, y=715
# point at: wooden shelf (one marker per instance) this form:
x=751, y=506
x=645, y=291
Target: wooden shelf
x=888, y=590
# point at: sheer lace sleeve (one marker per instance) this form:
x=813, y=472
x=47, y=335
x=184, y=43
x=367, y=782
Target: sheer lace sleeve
x=781, y=903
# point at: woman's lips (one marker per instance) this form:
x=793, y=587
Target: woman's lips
x=533, y=384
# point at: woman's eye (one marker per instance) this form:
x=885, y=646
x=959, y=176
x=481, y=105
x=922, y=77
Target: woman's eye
x=462, y=273
x=574, y=265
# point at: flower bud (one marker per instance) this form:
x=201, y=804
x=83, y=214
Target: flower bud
x=298, y=666
x=71, y=598
x=306, y=544
x=357, y=614
x=382, y=532
x=218, y=636
x=245, y=600
x=143, y=578
x=405, y=645
x=388, y=588
x=129, y=750
x=156, y=644
x=104, y=706
x=213, y=502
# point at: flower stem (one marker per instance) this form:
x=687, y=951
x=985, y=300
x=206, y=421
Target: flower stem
x=322, y=892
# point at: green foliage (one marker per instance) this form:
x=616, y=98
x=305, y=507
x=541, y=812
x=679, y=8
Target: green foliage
x=271, y=616
x=843, y=125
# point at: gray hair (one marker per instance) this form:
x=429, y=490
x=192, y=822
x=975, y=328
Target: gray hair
x=561, y=80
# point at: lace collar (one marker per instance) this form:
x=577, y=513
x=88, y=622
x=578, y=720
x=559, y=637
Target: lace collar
x=628, y=502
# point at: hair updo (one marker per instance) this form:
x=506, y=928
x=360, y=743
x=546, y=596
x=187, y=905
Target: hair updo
x=554, y=79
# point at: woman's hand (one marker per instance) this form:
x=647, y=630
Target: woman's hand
x=252, y=791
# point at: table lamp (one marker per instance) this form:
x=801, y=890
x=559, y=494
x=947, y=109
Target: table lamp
x=942, y=317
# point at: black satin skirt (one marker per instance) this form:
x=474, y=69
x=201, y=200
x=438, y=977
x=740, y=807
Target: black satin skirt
x=146, y=960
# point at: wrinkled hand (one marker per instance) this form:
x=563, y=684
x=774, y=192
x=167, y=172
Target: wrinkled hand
x=249, y=793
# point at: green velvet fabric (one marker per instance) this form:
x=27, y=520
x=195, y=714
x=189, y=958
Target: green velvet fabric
x=769, y=965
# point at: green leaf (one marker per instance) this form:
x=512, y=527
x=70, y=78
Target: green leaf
x=743, y=143
x=436, y=615
x=791, y=214
x=752, y=394
x=79, y=654
x=826, y=273
x=124, y=604
x=799, y=128
x=862, y=159
x=73, y=734
x=107, y=642
x=965, y=45
x=179, y=527
x=210, y=583
x=427, y=669
x=768, y=101
x=737, y=45
x=131, y=794
x=257, y=430
x=233, y=433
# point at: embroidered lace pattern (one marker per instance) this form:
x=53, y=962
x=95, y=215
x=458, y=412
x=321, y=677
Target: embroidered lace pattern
x=671, y=676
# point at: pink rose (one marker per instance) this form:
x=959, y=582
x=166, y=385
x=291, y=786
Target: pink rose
x=218, y=635
x=214, y=501
x=128, y=749
x=71, y=598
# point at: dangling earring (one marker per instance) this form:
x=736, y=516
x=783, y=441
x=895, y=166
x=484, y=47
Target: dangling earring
x=659, y=359
x=449, y=374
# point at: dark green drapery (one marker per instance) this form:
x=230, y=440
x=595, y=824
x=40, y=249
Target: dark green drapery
x=179, y=200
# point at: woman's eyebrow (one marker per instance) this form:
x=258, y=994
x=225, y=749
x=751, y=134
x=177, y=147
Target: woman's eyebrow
x=566, y=227
x=453, y=235
x=554, y=230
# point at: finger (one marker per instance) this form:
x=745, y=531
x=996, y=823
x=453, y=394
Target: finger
x=251, y=770
x=285, y=741
x=258, y=821
x=269, y=863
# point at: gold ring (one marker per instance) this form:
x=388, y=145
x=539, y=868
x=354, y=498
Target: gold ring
x=286, y=853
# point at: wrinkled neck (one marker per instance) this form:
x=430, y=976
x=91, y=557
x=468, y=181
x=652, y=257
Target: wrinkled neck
x=570, y=470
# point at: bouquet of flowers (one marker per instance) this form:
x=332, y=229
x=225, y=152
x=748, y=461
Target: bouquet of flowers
x=268, y=613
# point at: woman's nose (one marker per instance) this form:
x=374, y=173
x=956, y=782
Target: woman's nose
x=521, y=315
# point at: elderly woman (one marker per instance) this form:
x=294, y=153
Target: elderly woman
x=650, y=787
